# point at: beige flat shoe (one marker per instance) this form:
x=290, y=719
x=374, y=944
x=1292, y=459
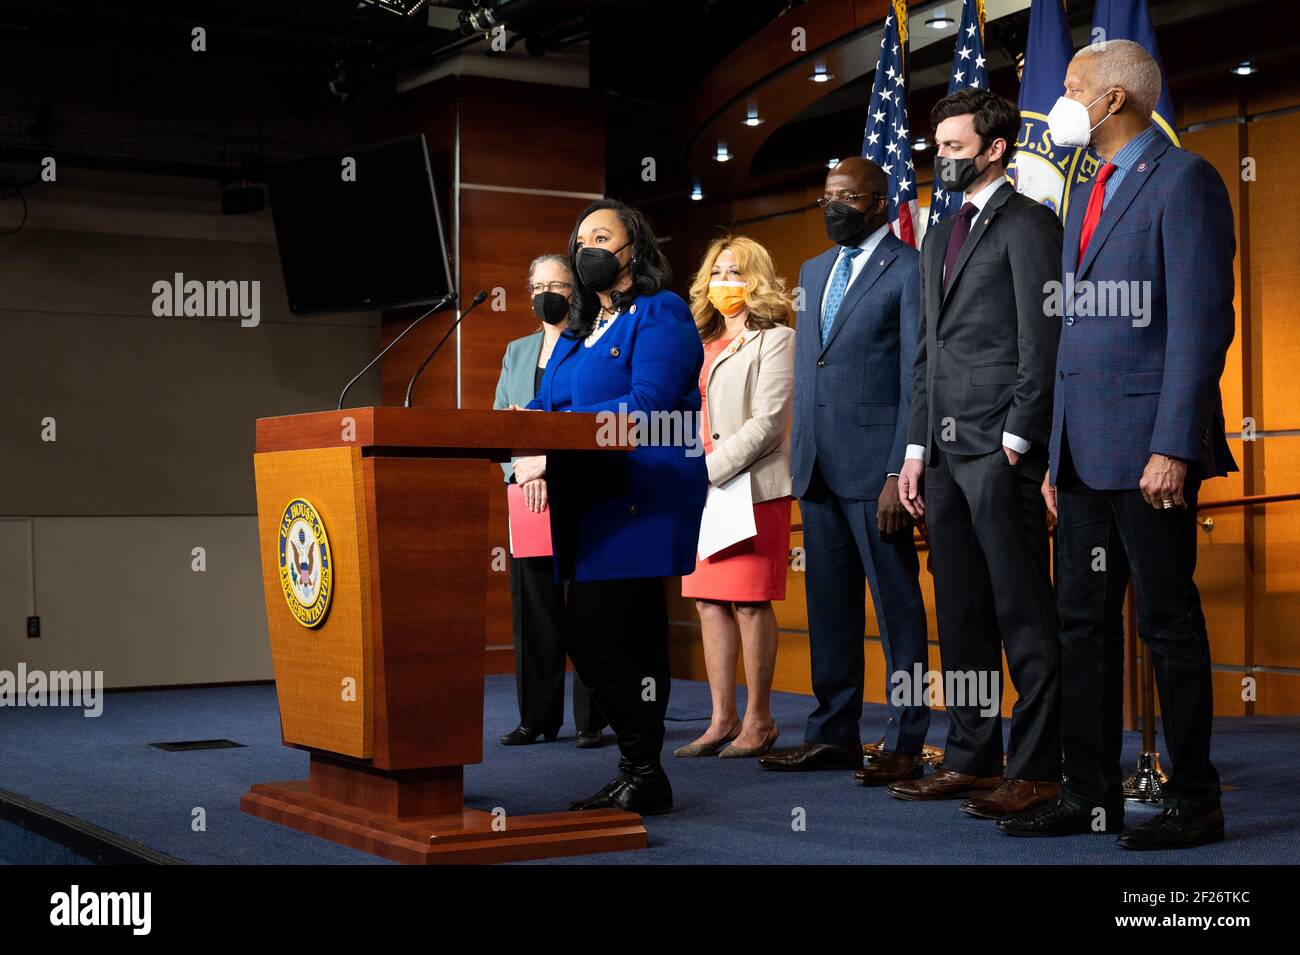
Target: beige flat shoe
x=738, y=752
x=707, y=749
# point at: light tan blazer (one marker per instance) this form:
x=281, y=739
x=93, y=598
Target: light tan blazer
x=750, y=392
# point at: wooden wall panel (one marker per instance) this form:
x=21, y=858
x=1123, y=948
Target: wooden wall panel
x=1275, y=267
x=512, y=144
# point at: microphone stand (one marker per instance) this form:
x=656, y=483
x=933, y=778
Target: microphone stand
x=438, y=306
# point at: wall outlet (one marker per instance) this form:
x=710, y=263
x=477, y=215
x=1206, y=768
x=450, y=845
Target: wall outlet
x=33, y=627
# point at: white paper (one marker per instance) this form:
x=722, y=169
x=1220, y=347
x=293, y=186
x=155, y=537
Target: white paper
x=728, y=515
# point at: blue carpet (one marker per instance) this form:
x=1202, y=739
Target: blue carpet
x=728, y=812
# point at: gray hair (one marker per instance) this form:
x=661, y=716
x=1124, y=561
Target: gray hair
x=1129, y=66
x=555, y=257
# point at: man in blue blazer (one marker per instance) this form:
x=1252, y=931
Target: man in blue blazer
x=855, y=342
x=1137, y=425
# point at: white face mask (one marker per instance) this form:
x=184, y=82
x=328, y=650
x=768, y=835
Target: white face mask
x=1068, y=121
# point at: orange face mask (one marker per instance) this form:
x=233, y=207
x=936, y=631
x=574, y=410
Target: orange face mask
x=727, y=297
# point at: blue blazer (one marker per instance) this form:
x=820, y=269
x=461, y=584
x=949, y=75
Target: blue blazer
x=852, y=396
x=629, y=514
x=1132, y=385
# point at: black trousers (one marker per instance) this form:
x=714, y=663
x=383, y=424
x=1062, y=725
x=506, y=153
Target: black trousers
x=1103, y=538
x=993, y=591
x=616, y=633
x=537, y=605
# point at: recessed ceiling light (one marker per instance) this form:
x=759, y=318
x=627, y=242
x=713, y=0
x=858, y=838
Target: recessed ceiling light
x=920, y=146
x=697, y=193
x=1244, y=68
x=722, y=155
x=832, y=163
x=819, y=75
x=940, y=21
x=752, y=118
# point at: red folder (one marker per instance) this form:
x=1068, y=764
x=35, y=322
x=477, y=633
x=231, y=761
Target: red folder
x=530, y=532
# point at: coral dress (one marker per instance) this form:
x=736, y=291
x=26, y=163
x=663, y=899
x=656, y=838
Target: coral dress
x=752, y=570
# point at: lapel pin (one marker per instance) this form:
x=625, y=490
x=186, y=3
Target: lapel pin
x=613, y=352
x=1142, y=167
x=987, y=221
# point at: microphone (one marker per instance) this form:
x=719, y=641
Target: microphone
x=479, y=299
x=438, y=306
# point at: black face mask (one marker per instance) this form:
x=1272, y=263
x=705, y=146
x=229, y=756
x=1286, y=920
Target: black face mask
x=598, y=269
x=847, y=226
x=956, y=175
x=551, y=307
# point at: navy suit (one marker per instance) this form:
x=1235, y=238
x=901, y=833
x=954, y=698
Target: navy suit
x=851, y=410
x=1130, y=385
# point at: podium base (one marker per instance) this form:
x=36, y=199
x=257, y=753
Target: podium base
x=464, y=837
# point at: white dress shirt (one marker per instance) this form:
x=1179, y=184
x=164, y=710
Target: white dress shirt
x=1012, y=441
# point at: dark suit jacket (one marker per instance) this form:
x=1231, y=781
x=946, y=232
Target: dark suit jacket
x=987, y=350
x=851, y=395
x=1129, y=386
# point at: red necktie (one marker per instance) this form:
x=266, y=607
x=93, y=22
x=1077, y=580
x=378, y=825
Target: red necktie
x=1095, y=200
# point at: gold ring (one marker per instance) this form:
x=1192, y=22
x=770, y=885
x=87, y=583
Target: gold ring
x=1166, y=504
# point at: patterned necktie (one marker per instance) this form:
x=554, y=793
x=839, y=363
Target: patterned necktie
x=1096, y=199
x=839, y=285
x=956, y=239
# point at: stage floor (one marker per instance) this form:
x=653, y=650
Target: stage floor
x=104, y=771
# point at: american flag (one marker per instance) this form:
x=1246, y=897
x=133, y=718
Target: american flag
x=885, y=139
x=968, y=71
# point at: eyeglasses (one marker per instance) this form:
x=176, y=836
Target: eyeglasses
x=537, y=288
x=826, y=200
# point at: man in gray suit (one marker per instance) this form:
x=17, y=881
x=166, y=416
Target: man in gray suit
x=854, y=339
x=981, y=417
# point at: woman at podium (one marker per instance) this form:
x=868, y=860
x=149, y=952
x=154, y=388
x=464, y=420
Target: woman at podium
x=536, y=597
x=621, y=522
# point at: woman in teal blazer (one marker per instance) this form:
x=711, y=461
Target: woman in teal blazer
x=536, y=597
x=621, y=523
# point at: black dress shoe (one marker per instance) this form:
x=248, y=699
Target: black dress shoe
x=642, y=788
x=1176, y=828
x=590, y=740
x=522, y=735
x=814, y=756
x=1061, y=818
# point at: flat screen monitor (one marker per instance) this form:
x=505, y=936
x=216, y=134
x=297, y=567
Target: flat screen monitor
x=360, y=230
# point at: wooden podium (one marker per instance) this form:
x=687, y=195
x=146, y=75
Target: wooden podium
x=375, y=555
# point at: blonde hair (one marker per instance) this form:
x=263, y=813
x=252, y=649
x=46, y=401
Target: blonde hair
x=766, y=299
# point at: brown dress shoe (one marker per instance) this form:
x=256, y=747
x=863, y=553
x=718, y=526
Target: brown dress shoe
x=814, y=756
x=944, y=784
x=886, y=767
x=1013, y=796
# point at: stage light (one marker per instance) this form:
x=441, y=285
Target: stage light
x=403, y=8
